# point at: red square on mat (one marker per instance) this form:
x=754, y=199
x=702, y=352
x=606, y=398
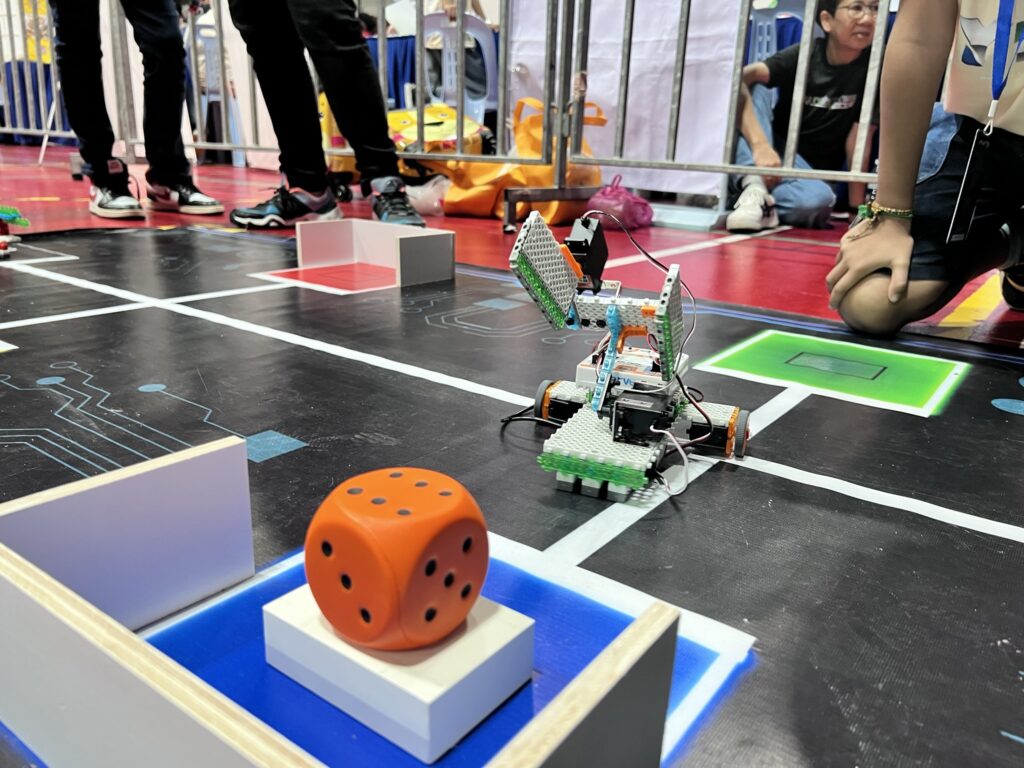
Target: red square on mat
x=348, y=277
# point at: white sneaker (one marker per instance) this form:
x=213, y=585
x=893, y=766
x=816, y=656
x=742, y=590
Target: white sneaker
x=181, y=197
x=114, y=201
x=754, y=211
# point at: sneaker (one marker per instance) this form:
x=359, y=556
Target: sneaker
x=1013, y=287
x=286, y=208
x=391, y=204
x=754, y=211
x=180, y=197
x=112, y=200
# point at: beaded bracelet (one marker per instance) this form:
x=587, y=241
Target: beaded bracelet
x=872, y=212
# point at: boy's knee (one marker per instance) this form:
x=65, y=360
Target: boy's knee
x=810, y=205
x=878, y=321
x=821, y=197
x=866, y=307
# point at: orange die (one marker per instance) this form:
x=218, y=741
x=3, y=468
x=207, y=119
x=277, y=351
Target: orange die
x=396, y=557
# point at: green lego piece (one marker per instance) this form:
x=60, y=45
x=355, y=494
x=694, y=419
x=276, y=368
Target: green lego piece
x=594, y=470
x=12, y=215
x=668, y=362
x=522, y=267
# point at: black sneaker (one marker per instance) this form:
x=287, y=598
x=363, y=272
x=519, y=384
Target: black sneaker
x=391, y=204
x=1013, y=287
x=110, y=197
x=180, y=197
x=286, y=208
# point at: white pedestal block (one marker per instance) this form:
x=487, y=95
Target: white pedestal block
x=423, y=701
x=418, y=255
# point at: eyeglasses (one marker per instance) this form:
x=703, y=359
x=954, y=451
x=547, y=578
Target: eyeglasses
x=859, y=10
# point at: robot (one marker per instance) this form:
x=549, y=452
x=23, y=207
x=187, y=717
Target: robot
x=8, y=216
x=620, y=417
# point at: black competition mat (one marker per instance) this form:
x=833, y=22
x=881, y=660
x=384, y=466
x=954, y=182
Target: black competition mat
x=890, y=621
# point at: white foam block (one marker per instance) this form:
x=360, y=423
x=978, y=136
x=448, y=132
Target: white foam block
x=423, y=701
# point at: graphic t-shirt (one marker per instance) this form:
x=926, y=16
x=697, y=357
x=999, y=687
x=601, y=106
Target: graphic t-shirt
x=832, y=100
x=969, y=85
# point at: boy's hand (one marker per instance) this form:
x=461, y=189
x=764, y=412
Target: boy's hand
x=869, y=247
x=766, y=157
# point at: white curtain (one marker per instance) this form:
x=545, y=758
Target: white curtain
x=706, y=84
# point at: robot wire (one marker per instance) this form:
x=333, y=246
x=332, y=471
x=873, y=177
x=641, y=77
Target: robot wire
x=521, y=416
x=686, y=464
x=655, y=262
x=681, y=447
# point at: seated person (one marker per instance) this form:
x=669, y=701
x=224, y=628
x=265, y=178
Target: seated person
x=836, y=75
x=911, y=255
x=476, y=74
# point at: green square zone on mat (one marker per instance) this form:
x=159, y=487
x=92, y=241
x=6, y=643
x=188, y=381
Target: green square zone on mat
x=883, y=378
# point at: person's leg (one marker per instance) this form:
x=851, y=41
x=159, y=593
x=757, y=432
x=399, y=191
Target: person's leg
x=280, y=66
x=804, y=202
x=867, y=308
x=158, y=33
x=332, y=33
x=754, y=209
x=434, y=63
x=77, y=48
x=763, y=101
x=169, y=179
x=938, y=270
x=798, y=202
x=476, y=73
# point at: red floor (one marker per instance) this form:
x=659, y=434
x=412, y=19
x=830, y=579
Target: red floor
x=781, y=271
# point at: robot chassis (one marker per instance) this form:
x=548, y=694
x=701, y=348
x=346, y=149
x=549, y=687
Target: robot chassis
x=620, y=415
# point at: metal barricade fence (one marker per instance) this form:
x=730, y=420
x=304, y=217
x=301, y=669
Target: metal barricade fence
x=26, y=42
x=29, y=85
x=199, y=36
x=727, y=165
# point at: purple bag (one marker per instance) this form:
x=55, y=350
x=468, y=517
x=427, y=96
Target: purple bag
x=632, y=210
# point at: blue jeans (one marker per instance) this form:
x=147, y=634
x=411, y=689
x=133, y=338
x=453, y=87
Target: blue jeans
x=799, y=202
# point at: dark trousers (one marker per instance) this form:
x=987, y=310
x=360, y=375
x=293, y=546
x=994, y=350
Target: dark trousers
x=275, y=33
x=77, y=38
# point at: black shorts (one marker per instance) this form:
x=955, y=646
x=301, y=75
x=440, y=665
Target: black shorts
x=999, y=202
